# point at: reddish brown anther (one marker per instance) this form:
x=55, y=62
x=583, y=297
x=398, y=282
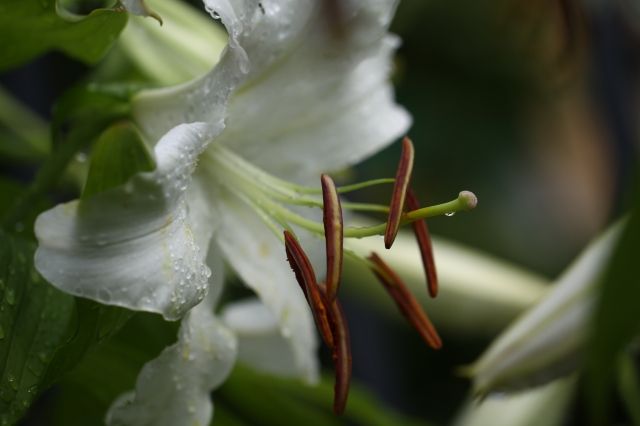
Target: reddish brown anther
x=341, y=353
x=424, y=242
x=306, y=278
x=405, y=301
x=403, y=177
x=333, y=234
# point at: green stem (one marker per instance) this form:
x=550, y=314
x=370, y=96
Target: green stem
x=348, y=188
x=24, y=123
x=459, y=204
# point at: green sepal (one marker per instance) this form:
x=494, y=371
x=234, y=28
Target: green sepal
x=118, y=154
x=29, y=28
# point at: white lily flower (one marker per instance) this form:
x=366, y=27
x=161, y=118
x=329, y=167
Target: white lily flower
x=285, y=101
x=547, y=341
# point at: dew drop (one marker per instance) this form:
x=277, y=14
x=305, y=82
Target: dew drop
x=104, y=295
x=450, y=214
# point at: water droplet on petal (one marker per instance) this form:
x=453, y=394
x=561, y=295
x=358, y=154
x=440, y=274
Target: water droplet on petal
x=104, y=295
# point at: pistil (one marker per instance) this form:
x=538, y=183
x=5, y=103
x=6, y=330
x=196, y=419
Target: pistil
x=273, y=195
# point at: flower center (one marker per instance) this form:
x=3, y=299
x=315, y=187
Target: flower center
x=276, y=201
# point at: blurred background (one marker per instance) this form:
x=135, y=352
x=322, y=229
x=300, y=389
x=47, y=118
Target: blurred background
x=530, y=105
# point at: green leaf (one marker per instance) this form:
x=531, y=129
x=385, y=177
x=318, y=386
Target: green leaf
x=118, y=154
x=31, y=27
x=34, y=318
x=108, y=370
x=44, y=333
x=24, y=136
x=616, y=319
x=90, y=325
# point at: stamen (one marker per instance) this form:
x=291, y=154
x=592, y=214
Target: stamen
x=306, y=278
x=405, y=301
x=347, y=188
x=403, y=176
x=332, y=218
x=365, y=184
x=424, y=242
x=341, y=353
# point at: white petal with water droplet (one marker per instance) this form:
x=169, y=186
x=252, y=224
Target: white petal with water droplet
x=133, y=246
x=174, y=389
x=325, y=103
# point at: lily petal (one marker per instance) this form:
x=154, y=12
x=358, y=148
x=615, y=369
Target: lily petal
x=133, y=246
x=336, y=92
x=258, y=257
x=260, y=342
x=174, y=389
x=292, y=85
x=547, y=340
x=203, y=99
